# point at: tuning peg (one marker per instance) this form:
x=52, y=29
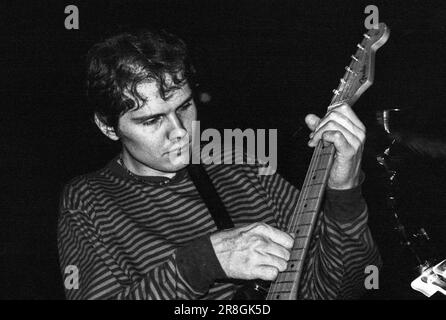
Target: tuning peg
x=360, y=47
x=366, y=36
x=354, y=58
x=348, y=69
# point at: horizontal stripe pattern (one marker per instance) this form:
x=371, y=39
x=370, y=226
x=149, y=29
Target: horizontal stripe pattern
x=123, y=234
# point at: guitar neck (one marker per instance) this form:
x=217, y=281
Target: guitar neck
x=302, y=225
x=308, y=206
x=357, y=78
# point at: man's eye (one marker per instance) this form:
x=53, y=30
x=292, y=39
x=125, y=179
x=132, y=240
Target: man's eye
x=185, y=107
x=152, y=121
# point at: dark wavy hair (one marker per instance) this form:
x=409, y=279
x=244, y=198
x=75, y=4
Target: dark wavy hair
x=118, y=64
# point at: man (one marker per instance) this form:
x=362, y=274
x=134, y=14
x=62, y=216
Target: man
x=138, y=229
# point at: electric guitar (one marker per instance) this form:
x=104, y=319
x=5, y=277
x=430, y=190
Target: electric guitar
x=357, y=79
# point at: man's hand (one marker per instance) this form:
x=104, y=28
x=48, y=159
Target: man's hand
x=255, y=251
x=341, y=127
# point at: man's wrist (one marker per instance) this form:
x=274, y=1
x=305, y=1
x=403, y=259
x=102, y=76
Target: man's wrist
x=198, y=264
x=351, y=184
x=345, y=205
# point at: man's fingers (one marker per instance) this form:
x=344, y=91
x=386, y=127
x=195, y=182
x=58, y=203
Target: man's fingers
x=343, y=120
x=276, y=250
x=339, y=117
x=274, y=261
x=275, y=235
x=337, y=134
x=347, y=111
x=340, y=142
x=312, y=121
x=253, y=251
x=265, y=272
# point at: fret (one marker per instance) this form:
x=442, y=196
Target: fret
x=302, y=233
x=307, y=211
x=301, y=224
x=286, y=281
x=277, y=297
x=304, y=224
x=291, y=271
x=315, y=184
x=302, y=246
x=281, y=291
x=306, y=214
x=308, y=204
x=311, y=198
x=324, y=154
x=304, y=220
x=309, y=185
x=310, y=192
x=301, y=240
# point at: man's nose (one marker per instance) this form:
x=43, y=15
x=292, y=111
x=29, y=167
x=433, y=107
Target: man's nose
x=177, y=130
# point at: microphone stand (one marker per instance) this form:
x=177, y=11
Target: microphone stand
x=392, y=174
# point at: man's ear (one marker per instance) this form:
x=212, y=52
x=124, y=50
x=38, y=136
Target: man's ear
x=107, y=130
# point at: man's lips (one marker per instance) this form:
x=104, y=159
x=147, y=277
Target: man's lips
x=178, y=149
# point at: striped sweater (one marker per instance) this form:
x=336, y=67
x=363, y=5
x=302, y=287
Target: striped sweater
x=148, y=237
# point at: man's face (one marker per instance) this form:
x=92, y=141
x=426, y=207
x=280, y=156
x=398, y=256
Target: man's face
x=152, y=135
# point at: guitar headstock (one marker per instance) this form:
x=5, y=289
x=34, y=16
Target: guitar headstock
x=360, y=73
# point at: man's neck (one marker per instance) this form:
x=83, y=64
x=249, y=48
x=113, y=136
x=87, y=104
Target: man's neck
x=135, y=167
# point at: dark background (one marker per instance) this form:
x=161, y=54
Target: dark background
x=265, y=63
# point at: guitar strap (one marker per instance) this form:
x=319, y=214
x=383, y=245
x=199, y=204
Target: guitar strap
x=222, y=219
x=207, y=191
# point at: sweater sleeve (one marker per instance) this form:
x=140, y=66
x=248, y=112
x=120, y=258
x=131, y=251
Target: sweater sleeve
x=341, y=247
x=185, y=274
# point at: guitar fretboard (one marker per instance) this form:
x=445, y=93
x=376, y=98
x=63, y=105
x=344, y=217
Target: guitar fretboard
x=302, y=225
x=357, y=78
